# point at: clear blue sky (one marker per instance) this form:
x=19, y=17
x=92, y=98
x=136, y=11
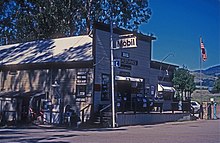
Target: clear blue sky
x=178, y=25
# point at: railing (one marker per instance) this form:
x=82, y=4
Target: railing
x=186, y=106
x=101, y=111
x=83, y=112
x=106, y=107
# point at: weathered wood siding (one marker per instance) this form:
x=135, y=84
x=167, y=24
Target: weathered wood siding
x=32, y=80
x=141, y=54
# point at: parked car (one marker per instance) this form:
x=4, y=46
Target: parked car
x=195, y=107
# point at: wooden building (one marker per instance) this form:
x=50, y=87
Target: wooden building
x=74, y=72
x=34, y=67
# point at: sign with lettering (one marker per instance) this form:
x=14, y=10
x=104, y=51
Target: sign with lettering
x=81, y=77
x=129, y=62
x=125, y=54
x=117, y=62
x=123, y=73
x=80, y=99
x=130, y=42
x=126, y=67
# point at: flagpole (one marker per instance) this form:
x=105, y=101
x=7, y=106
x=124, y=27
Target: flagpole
x=200, y=80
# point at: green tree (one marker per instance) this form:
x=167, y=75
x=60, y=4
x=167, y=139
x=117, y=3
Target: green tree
x=190, y=84
x=25, y=20
x=216, y=87
x=184, y=81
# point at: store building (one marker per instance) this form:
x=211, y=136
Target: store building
x=132, y=76
x=74, y=73
x=36, y=67
x=162, y=75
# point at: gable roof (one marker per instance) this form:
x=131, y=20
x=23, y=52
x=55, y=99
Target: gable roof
x=70, y=49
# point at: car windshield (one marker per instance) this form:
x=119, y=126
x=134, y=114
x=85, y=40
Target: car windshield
x=193, y=103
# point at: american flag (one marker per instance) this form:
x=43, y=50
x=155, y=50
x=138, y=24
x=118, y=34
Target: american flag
x=203, y=52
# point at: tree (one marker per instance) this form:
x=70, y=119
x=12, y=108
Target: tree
x=26, y=20
x=216, y=88
x=184, y=81
x=190, y=84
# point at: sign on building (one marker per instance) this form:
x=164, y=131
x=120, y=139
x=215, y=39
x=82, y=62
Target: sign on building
x=117, y=62
x=130, y=42
x=129, y=61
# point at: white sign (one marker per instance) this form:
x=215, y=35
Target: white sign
x=126, y=43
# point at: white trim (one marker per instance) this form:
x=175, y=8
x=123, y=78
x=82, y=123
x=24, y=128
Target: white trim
x=165, y=88
x=128, y=78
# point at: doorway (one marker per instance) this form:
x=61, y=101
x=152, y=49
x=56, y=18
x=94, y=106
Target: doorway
x=124, y=95
x=24, y=109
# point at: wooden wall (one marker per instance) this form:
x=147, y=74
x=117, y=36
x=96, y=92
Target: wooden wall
x=42, y=79
x=141, y=55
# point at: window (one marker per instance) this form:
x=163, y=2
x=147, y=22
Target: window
x=81, y=91
x=168, y=95
x=105, y=88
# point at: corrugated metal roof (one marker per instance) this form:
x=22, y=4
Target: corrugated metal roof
x=78, y=48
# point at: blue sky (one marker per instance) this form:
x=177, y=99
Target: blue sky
x=178, y=25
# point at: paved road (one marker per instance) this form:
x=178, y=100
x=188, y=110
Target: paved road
x=200, y=131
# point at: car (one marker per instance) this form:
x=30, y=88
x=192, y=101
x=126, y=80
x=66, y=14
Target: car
x=195, y=107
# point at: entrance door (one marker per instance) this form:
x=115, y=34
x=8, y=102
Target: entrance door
x=124, y=92
x=24, y=110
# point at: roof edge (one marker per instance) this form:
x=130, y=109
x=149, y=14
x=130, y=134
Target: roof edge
x=106, y=27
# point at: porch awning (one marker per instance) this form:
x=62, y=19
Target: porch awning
x=128, y=78
x=165, y=88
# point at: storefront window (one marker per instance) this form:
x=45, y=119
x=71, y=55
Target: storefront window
x=105, y=87
x=136, y=87
x=168, y=95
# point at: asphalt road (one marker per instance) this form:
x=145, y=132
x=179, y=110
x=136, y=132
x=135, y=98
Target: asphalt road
x=200, y=131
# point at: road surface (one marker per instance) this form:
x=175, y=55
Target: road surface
x=200, y=131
